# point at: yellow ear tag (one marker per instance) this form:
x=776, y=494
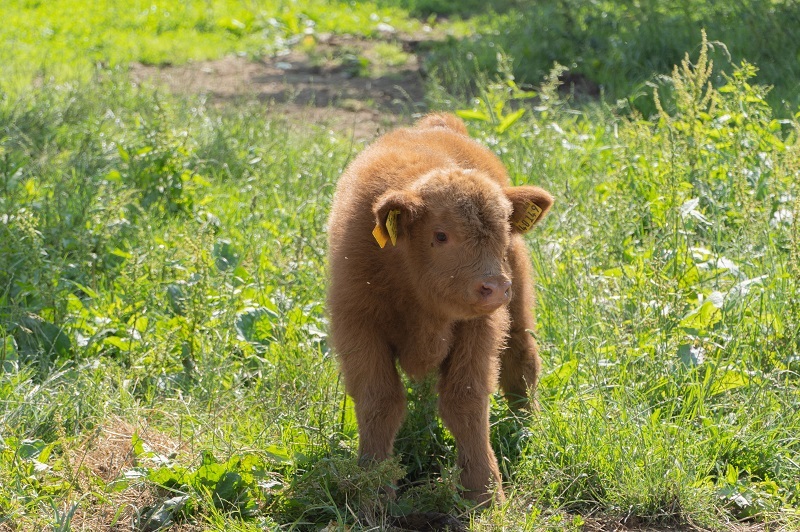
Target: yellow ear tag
x=391, y=225
x=532, y=213
x=380, y=238
x=391, y=228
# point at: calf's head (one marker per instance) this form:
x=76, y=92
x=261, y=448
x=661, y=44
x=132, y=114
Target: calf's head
x=452, y=230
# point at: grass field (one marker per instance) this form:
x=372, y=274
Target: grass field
x=162, y=271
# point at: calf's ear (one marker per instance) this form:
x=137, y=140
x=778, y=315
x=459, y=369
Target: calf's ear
x=530, y=205
x=394, y=212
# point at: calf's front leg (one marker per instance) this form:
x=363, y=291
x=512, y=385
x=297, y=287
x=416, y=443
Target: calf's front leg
x=371, y=379
x=468, y=377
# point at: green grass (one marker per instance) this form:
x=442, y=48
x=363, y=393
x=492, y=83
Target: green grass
x=68, y=39
x=163, y=334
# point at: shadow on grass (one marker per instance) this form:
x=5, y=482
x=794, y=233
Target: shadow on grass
x=615, y=49
x=449, y=8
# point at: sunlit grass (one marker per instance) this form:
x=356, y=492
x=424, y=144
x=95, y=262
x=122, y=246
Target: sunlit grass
x=69, y=39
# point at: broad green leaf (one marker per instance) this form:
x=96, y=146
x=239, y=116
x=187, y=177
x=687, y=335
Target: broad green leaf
x=123, y=154
x=200, y=180
x=209, y=473
x=170, y=477
x=730, y=380
x=137, y=444
x=473, y=115
x=120, y=253
x=114, y=176
x=509, y=120
x=560, y=375
x=279, y=454
x=44, y=454
x=226, y=254
x=691, y=355
x=229, y=489
x=162, y=515
x=249, y=466
x=30, y=449
x=51, y=338
x=255, y=325
x=123, y=344
x=703, y=317
x=176, y=298
x=8, y=355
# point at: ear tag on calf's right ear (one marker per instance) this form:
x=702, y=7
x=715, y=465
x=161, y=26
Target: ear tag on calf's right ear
x=391, y=227
x=532, y=213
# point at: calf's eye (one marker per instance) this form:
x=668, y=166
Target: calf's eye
x=440, y=236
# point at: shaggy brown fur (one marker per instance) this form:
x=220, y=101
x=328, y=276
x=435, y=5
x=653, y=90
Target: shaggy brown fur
x=440, y=297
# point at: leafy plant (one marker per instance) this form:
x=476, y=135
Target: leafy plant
x=234, y=486
x=491, y=105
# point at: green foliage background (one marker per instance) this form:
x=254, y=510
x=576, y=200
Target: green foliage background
x=162, y=266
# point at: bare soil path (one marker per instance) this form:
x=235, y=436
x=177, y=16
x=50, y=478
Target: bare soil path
x=342, y=82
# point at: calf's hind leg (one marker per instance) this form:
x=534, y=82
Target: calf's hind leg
x=519, y=362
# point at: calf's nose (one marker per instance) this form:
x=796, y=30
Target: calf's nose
x=495, y=290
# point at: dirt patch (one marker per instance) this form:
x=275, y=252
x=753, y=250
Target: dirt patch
x=358, y=85
x=105, y=456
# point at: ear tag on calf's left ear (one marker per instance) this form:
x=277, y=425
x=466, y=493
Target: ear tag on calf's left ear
x=391, y=228
x=532, y=213
x=380, y=238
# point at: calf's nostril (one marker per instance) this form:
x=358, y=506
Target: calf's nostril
x=486, y=290
x=505, y=288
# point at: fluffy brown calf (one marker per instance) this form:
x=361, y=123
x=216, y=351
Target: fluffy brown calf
x=424, y=244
